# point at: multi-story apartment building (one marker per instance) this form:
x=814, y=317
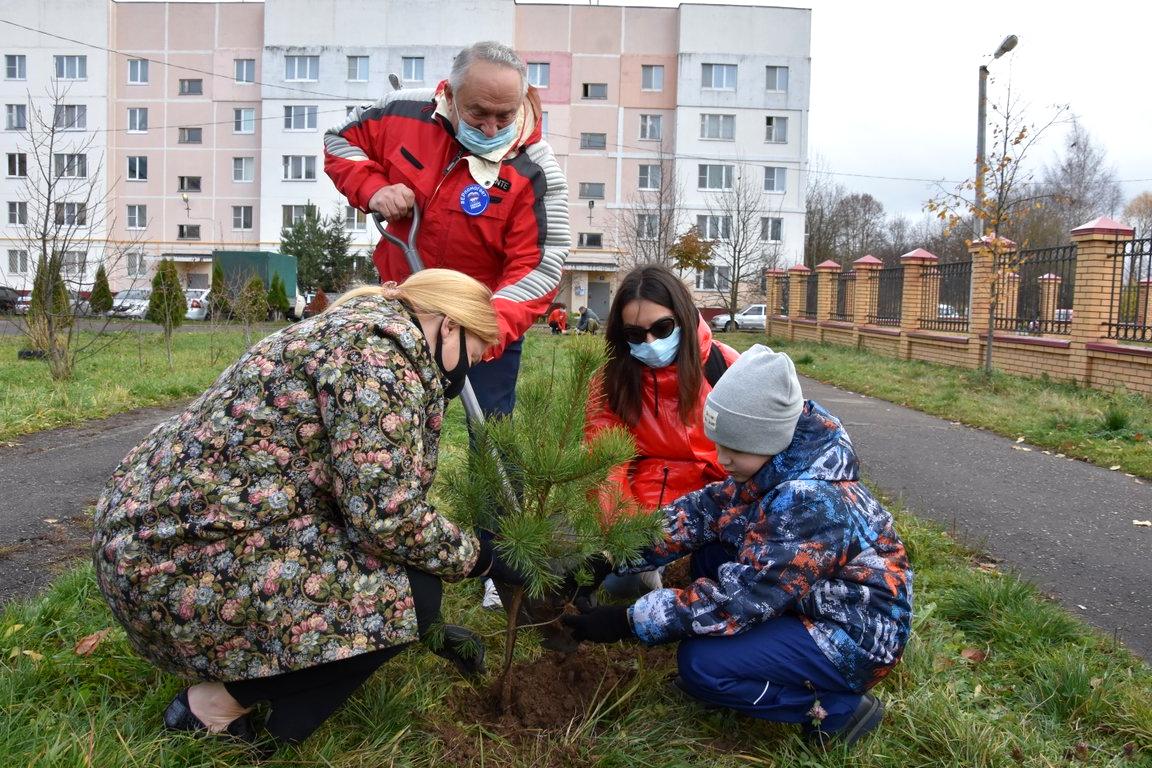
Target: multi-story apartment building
x=214, y=115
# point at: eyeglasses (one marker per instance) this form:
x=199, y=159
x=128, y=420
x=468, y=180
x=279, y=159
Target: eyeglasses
x=661, y=329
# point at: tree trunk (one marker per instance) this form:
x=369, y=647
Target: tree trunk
x=168, y=345
x=509, y=649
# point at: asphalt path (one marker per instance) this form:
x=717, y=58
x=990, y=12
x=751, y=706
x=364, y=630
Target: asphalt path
x=1065, y=525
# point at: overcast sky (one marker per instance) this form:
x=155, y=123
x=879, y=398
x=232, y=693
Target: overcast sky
x=894, y=85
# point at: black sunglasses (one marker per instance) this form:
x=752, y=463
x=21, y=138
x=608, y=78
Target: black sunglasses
x=661, y=329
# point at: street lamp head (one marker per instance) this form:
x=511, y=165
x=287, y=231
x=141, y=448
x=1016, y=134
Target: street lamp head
x=1008, y=44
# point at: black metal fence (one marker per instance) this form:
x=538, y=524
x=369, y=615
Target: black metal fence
x=944, y=294
x=845, y=297
x=887, y=294
x=1038, y=300
x=811, y=295
x=782, y=283
x=1130, y=317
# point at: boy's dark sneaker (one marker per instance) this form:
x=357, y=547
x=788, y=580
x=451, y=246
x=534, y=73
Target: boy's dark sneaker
x=869, y=712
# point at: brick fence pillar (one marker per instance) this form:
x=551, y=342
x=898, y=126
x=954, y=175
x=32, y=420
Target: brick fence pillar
x=916, y=263
x=1097, y=243
x=1049, y=298
x=867, y=273
x=797, y=290
x=826, y=272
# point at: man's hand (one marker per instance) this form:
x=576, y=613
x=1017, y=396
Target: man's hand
x=490, y=565
x=598, y=568
x=392, y=202
x=605, y=624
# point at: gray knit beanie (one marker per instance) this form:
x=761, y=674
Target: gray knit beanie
x=755, y=405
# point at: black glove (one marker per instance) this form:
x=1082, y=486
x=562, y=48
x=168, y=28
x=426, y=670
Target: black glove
x=605, y=624
x=582, y=595
x=490, y=565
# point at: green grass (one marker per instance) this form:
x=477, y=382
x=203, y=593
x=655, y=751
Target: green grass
x=1102, y=428
x=995, y=676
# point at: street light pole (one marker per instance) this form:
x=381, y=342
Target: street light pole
x=981, y=119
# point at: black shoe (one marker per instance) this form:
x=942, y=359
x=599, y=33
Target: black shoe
x=179, y=717
x=463, y=647
x=869, y=712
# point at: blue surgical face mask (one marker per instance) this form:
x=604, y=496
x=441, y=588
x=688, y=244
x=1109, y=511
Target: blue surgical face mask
x=474, y=139
x=657, y=353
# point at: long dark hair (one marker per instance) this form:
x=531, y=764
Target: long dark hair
x=623, y=378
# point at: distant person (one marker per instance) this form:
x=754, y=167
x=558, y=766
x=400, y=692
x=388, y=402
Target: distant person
x=275, y=541
x=661, y=362
x=588, y=322
x=558, y=320
x=802, y=598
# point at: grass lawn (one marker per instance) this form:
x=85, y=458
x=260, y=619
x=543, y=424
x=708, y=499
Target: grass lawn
x=994, y=676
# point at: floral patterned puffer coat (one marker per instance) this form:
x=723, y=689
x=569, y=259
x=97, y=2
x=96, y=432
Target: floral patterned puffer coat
x=267, y=527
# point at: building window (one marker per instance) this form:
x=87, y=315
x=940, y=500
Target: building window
x=776, y=129
x=241, y=217
x=191, y=135
x=720, y=77
x=647, y=226
x=137, y=119
x=539, y=73
x=777, y=78
x=650, y=126
x=245, y=70
x=544, y=123
x=714, y=278
x=70, y=117
x=714, y=227
x=595, y=91
x=358, y=69
x=299, y=167
x=591, y=190
x=137, y=71
x=17, y=164
x=187, y=231
x=15, y=67
x=71, y=67
x=772, y=229
x=17, y=261
x=300, y=118
x=718, y=127
x=244, y=120
x=75, y=262
x=137, y=168
x=413, y=69
x=18, y=213
x=188, y=183
x=244, y=169
x=355, y=219
x=301, y=68
x=649, y=177
x=191, y=87
x=294, y=214
x=16, y=117
x=714, y=177
x=72, y=213
x=137, y=216
x=70, y=166
x=775, y=179
x=652, y=77
x=136, y=266
x=593, y=140
x=591, y=240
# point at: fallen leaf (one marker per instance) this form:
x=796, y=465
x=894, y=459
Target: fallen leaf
x=1143, y=523
x=1082, y=607
x=12, y=629
x=979, y=689
x=1020, y=439
x=1018, y=754
x=1095, y=682
x=33, y=655
x=974, y=655
x=51, y=520
x=91, y=642
x=1059, y=455
x=1021, y=448
x=1114, y=467
x=1047, y=453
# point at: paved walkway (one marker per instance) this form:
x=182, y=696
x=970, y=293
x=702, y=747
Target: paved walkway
x=1064, y=524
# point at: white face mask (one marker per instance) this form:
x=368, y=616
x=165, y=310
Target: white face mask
x=474, y=139
x=658, y=353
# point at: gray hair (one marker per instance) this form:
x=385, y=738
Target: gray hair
x=492, y=52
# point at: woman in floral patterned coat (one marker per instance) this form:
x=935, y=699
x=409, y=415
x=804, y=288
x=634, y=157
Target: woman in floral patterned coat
x=274, y=540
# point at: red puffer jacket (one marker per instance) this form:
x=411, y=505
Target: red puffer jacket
x=672, y=459
x=516, y=244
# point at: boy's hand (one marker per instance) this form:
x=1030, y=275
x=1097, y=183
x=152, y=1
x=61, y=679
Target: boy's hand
x=606, y=624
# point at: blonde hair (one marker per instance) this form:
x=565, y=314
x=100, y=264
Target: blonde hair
x=446, y=292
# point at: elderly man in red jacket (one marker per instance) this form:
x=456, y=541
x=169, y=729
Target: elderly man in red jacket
x=494, y=201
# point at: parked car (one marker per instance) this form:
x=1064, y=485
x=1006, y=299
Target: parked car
x=948, y=312
x=22, y=303
x=8, y=299
x=1063, y=316
x=751, y=317
x=131, y=303
x=197, y=304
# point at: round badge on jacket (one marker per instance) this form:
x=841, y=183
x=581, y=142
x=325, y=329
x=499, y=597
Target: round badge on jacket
x=474, y=200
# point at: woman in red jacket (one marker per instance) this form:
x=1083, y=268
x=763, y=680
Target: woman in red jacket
x=654, y=384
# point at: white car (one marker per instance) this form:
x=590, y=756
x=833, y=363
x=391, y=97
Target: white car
x=751, y=318
x=197, y=304
x=131, y=303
